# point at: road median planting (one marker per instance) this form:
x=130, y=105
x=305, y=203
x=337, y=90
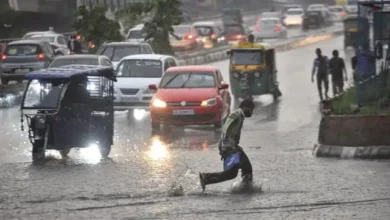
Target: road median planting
x=349, y=130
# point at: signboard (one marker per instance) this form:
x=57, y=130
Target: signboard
x=382, y=25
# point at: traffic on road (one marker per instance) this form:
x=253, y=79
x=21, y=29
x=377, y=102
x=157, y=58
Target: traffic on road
x=128, y=133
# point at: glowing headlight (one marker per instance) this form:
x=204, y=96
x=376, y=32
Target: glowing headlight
x=91, y=86
x=209, y=102
x=159, y=103
x=257, y=74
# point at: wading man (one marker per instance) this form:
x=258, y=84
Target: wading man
x=337, y=68
x=320, y=67
x=231, y=153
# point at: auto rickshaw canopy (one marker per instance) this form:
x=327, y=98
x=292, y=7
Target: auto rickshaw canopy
x=70, y=71
x=249, y=45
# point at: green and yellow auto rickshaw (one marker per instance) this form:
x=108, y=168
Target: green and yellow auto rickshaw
x=252, y=70
x=350, y=31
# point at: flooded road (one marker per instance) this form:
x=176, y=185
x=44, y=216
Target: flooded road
x=136, y=182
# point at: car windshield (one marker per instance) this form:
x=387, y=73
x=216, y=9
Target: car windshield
x=294, y=12
x=140, y=68
x=336, y=9
x=234, y=29
x=313, y=13
x=188, y=80
x=181, y=30
x=42, y=95
x=67, y=61
x=137, y=34
x=316, y=7
x=116, y=53
x=269, y=14
x=204, y=30
x=352, y=2
x=269, y=22
x=247, y=57
x=43, y=38
x=22, y=50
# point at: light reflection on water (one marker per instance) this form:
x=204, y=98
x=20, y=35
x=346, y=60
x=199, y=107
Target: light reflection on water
x=158, y=150
x=91, y=154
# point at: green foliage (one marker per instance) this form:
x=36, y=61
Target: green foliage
x=95, y=27
x=163, y=15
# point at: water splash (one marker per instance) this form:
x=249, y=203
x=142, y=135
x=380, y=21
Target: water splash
x=243, y=187
x=176, y=190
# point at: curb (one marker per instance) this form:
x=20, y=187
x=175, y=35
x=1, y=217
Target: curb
x=369, y=152
x=218, y=54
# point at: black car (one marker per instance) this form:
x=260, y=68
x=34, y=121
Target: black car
x=315, y=19
x=209, y=31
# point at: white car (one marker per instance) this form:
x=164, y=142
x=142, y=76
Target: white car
x=136, y=34
x=57, y=41
x=338, y=12
x=134, y=74
x=293, y=16
x=29, y=34
x=316, y=7
x=351, y=7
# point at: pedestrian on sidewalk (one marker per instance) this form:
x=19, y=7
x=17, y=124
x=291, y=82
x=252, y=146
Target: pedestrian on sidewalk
x=232, y=154
x=337, y=68
x=321, y=69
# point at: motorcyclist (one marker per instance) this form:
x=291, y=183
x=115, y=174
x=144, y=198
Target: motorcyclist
x=251, y=38
x=74, y=45
x=228, y=147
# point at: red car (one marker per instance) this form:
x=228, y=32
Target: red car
x=190, y=95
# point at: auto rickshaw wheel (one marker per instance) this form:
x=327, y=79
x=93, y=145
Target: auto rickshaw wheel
x=105, y=149
x=156, y=128
x=38, y=151
x=64, y=153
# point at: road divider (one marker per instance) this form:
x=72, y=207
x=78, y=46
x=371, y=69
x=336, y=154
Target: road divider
x=350, y=136
x=219, y=53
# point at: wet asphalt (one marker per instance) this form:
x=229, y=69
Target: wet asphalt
x=136, y=182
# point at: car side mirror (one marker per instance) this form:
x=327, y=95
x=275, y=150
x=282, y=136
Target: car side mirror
x=153, y=87
x=224, y=86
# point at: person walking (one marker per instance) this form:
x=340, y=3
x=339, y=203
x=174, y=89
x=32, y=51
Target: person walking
x=232, y=154
x=320, y=68
x=337, y=68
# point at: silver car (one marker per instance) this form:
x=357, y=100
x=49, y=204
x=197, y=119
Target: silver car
x=269, y=28
x=84, y=59
x=21, y=57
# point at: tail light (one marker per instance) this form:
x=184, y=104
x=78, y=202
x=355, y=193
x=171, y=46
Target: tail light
x=278, y=28
x=189, y=37
x=240, y=36
x=41, y=56
x=257, y=28
x=91, y=45
x=258, y=21
x=3, y=57
x=342, y=13
x=213, y=36
x=78, y=37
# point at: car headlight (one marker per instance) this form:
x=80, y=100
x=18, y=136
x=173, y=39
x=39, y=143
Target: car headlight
x=159, y=103
x=209, y=102
x=91, y=86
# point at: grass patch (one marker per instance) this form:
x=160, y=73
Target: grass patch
x=342, y=105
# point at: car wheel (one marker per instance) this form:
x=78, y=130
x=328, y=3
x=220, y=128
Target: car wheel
x=4, y=81
x=156, y=128
x=64, y=153
x=38, y=151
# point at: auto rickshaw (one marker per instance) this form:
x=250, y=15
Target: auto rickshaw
x=252, y=70
x=58, y=119
x=350, y=31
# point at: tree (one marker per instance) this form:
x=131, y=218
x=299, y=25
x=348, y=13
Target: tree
x=95, y=27
x=163, y=15
x=7, y=18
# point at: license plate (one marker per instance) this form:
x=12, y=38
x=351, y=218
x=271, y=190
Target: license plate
x=184, y=112
x=22, y=70
x=129, y=99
